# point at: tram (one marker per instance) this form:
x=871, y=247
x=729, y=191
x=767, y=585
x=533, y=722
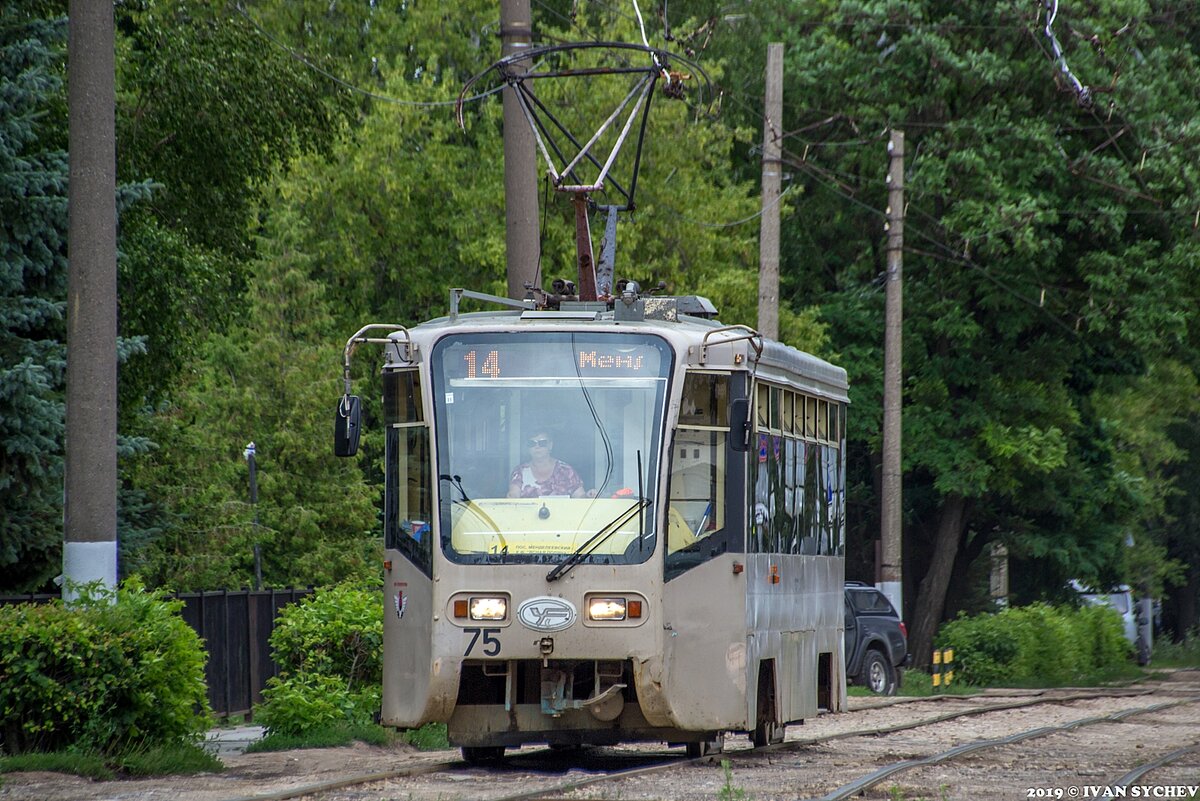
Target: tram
x=606, y=521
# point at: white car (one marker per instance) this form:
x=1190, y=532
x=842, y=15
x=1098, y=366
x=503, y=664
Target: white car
x=1121, y=599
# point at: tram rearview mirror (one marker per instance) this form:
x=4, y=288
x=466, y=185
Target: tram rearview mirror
x=346, y=426
x=739, y=424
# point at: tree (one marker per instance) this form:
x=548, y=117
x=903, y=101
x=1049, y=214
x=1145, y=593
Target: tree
x=408, y=207
x=208, y=110
x=1046, y=252
x=270, y=379
x=33, y=275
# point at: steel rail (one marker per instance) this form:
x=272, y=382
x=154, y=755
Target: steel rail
x=1140, y=771
x=348, y=781
x=549, y=793
x=861, y=785
x=672, y=761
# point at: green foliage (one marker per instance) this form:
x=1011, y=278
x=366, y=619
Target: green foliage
x=332, y=735
x=90, y=765
x=329, y=648
x=728, y=791
x=298, y=704
x=1041, y=260
x=209, y=110
x=112, y=672
x=430, y=737
x=337, y=631
x=1036, y=645
x=1184, y=653
x=271, y=380
x=139, y=760
x=33, y=284
x=167, y=760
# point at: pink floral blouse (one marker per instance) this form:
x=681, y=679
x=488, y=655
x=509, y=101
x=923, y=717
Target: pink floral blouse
x=563, y=480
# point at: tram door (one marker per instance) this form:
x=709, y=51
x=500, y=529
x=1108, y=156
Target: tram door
x=704, y=601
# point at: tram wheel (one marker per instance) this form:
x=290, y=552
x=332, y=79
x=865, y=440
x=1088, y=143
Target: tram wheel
x=706, y=747
x=482, y=753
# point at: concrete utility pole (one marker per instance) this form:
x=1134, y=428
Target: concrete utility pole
x=768, y=236
x=90, y=498
x=520, y=165
x=892, y=568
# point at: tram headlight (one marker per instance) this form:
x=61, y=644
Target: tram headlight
x=608, y=609
x=489, y=608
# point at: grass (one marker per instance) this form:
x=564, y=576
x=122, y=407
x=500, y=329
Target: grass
x=158, y=760
x=325, y=737
x=430, y=737
x=729, y=792
x=916, y=684
x=1178, y=654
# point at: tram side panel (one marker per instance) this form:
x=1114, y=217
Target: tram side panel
x=703, y=682
x=416, y=689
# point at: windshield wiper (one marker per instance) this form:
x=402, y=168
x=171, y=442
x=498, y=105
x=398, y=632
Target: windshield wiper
x=477, y=510
x=597, y=539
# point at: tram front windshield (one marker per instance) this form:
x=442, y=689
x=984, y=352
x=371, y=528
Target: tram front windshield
x=546, y=440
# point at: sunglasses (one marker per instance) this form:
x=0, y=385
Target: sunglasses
x=540, y=442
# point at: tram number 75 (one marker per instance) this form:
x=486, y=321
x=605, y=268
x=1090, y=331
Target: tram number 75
x=491, y=645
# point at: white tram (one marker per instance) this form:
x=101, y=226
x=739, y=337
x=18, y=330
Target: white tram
x=680, y=578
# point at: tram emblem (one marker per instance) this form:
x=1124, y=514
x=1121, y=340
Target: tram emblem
x=545, y=613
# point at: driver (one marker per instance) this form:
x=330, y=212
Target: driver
x=543, y=474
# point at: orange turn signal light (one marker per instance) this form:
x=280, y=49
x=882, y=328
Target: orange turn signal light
x=460, y=607
x=634, y=609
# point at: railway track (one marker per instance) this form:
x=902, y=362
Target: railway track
x=908, y=748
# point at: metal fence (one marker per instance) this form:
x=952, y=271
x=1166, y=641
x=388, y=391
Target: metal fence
x=236, y=626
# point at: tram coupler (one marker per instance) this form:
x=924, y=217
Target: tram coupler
x=604, y=705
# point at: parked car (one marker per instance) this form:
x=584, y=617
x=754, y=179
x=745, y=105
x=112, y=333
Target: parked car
x=1135, y=615
x=876, y=639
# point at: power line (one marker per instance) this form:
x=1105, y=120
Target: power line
x=735, y=223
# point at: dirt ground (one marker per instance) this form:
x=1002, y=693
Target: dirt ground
x=1096, y=755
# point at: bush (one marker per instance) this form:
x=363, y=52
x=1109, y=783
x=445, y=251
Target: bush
x=337, y=631
x=329, y=649
x=1036, y=644
x=306, y=702
x=112, y=672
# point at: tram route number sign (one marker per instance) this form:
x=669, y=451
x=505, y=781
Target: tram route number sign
x=519, y=362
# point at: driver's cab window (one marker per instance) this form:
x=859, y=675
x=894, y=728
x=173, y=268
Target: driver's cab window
x=698, y=471
x=407, y=492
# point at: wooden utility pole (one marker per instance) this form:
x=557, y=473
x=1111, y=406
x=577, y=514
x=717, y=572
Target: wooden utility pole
x=520, y=166
x=90, y=496
x=768, y=237
x=891, y=572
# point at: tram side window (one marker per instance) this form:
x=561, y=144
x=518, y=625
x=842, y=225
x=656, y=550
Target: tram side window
x=799, y=472
x=696, y=516
x=407, y=471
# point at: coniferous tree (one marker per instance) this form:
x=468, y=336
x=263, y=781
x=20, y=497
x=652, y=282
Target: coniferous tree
x=33, y=275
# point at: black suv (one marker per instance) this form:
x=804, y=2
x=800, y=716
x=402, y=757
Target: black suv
x=876, y=639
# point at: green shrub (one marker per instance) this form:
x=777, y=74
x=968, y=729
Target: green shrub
x=337, y=631
x=1036, y=644
x=308, y=701
x=113, y=671
x=329, y=649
